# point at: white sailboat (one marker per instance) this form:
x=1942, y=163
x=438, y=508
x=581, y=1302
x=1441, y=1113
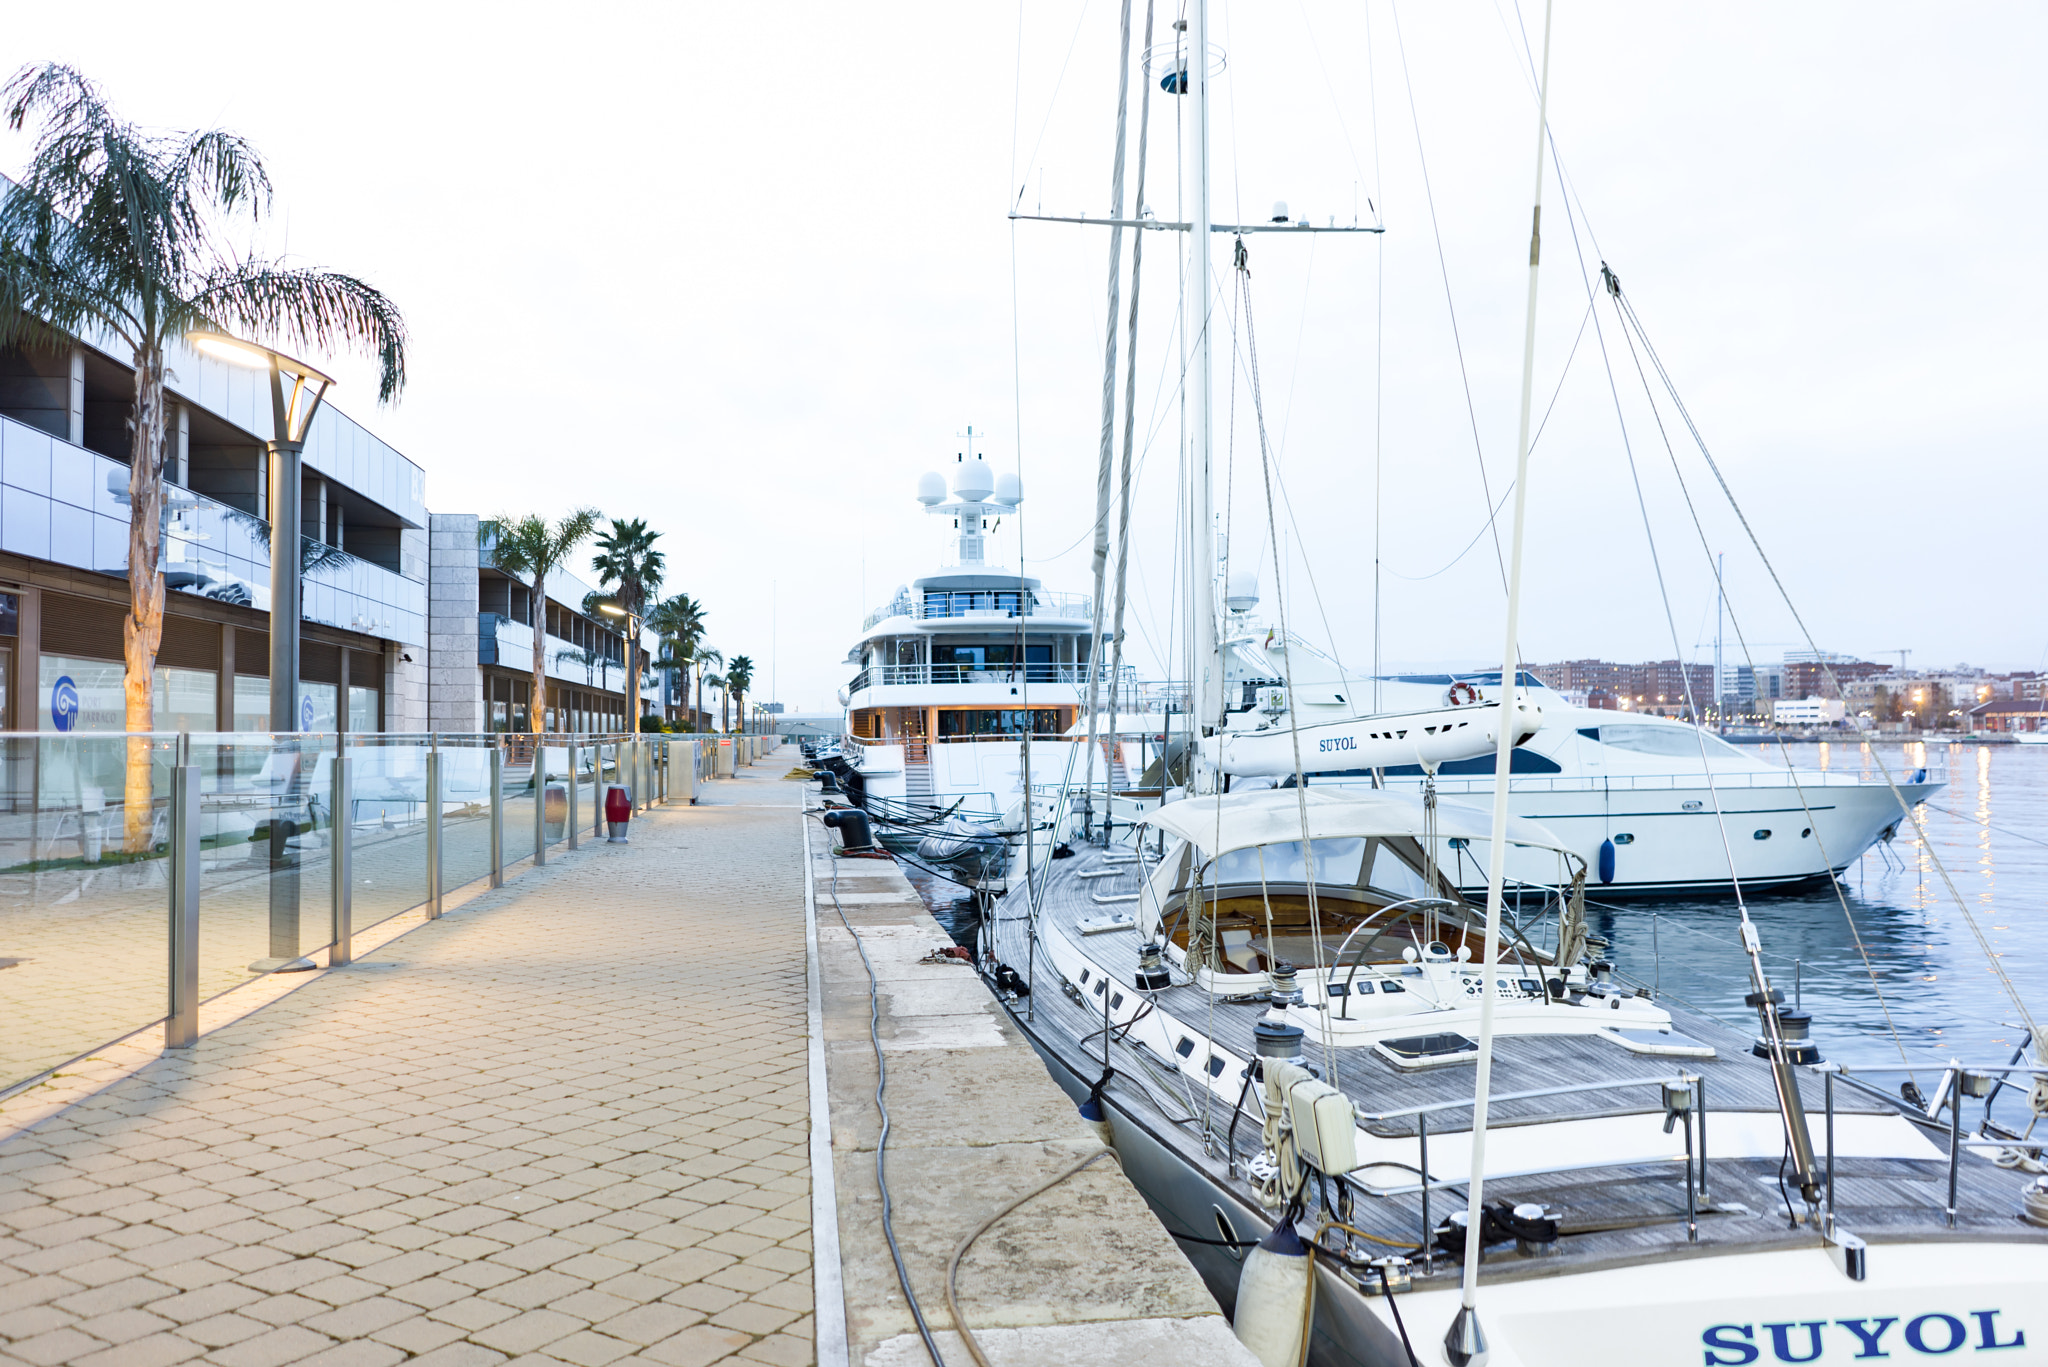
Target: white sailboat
x=1392, y=1124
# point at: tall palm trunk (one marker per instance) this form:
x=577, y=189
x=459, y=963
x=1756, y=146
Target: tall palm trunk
x=536, y=706
x=143, y=631
x=700, y=701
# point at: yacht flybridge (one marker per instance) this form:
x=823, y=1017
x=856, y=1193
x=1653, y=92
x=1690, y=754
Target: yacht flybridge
x=964, y=668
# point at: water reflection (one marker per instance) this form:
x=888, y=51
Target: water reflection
x=1887, y=953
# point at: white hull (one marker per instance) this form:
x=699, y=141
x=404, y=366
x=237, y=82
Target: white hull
x=1675, y=844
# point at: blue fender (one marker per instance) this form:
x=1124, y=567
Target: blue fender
x=1607, y=861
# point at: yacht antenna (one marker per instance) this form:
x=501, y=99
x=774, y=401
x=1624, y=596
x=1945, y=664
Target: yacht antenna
x=1464, y=1343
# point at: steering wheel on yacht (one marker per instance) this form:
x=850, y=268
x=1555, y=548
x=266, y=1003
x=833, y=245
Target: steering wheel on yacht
x=1338, y=962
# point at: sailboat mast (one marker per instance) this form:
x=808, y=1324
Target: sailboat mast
x=1208, y=661
x=1464, y=1343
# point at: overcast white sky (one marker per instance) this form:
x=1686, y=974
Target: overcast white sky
x=745, y=271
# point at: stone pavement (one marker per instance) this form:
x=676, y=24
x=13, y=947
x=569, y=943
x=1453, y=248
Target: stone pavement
x=566, y=1123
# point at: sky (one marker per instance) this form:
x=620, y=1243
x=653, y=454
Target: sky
x=747, y=272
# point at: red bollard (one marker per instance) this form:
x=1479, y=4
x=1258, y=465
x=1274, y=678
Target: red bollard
x=618, y=810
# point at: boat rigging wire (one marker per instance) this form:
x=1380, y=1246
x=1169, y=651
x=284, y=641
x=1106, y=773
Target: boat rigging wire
x=1106, y=462
x=882, y=1141
x=1308, y=858
x=1444, y=269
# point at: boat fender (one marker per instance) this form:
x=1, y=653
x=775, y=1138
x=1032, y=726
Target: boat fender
x=1274, y=1291
x=1095, y=1113
x=1607, y=861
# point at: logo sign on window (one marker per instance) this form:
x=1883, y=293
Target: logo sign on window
x=64, y=703
x=306, y=713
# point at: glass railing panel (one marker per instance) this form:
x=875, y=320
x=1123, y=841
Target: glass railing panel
x=388, y=824
x=266, y=845
x=465, y=810
x=84, y=896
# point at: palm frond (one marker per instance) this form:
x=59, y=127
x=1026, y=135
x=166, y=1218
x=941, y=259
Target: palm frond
x=223, y=167
x=308, y=309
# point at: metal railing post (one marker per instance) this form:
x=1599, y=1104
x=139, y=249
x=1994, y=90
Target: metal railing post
x=340, y=842
x=1829, y=1086
x=1428, y=1230
x=1701, y=1085
x=540, y=802
x=181, y=1020
x=597, y=791
x=574, y=821
x=434, y=832
x=497, y=816
x=1955, y=1139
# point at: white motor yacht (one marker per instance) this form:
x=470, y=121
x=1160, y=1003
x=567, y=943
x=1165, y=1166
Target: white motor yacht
x=963, y=667
x=1635, y=795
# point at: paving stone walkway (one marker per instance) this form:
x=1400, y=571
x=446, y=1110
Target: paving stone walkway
x=567, y=1123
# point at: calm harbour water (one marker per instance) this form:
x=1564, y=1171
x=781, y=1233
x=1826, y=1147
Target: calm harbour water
x=1935, y=995
x=1988, y=829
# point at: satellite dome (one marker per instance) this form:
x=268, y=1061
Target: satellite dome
x=1009, y=489
x=931, y=488
x=973, y=481
x=1242, y=593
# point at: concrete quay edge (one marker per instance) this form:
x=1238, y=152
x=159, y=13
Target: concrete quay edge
x=1081, y=1274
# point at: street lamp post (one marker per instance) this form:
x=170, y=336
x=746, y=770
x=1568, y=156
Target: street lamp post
x=632, y=647
x=291, y=419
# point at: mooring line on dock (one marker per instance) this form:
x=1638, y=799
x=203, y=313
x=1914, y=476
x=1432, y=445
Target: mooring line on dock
x=828, y=1279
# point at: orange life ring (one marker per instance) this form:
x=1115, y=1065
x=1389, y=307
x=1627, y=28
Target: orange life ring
x=1461, y=693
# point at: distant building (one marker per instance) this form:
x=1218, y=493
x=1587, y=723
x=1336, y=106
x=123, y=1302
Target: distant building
x=1808, y=711
x=1658, y=686
x=2010, y=714
x=1822, y=674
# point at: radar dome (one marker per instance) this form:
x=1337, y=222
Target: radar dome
x=1242, y=593
x=931, y=488
x=973, y=481
x=1009, y=489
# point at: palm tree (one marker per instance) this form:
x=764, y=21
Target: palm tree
x=717, y=681
x=627, y=561
x=678, y=623
x=739, y=677
x=529, y=546
x=116, y=232
x=706, y=658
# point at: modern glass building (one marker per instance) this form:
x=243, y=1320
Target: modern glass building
x=64, y=414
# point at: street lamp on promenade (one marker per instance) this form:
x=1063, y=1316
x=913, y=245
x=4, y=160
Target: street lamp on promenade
x=291, y=419
x=632, y=644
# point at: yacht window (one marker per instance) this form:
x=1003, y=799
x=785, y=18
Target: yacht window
x=1184, y=1048
x=1116, y=1001
x=1099, y=986
x=1761, y=835
x=1391, y=986
x=1215, y=1066
x=1336, y=861
x=1678, y=741
x=1084, y=977
x=1391, y=874
x=1338, y=990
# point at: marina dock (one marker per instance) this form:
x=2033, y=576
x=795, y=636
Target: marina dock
x=578, y=1119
